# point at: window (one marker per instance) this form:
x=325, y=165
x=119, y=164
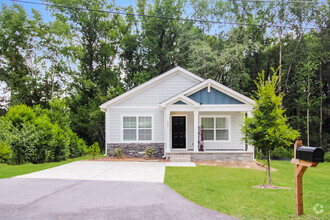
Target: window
x=137, y=128
x=215, y=128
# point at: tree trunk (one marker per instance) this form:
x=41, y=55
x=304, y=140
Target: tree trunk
x=321, y=103
x=52, y=89
x=292, y=58
x=268, y=169
x=308, y=91
x=280, y=64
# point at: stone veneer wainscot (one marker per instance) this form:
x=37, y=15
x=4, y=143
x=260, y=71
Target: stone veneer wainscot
x=136, y=149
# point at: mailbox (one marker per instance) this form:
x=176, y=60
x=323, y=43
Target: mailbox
x=312, y=154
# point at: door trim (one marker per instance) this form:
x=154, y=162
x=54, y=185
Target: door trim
x=186, y=147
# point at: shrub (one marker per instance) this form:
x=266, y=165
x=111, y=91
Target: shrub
x=149, y=152
x=40, y=135
x=327, y=156
x=118, y=152
x=94, y=149
x=281, y=152
x=77, y=146
x=20, y=114
x=6, y=131
x=5, y=151
x=25, y=147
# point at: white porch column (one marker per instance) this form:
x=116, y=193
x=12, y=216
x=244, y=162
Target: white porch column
x=167, y=131
x=195, y=131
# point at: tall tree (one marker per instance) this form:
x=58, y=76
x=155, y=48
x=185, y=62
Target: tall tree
x=98, y=34
x=267, y=128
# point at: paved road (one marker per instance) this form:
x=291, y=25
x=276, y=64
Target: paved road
x=92, y=199
x=97, y=190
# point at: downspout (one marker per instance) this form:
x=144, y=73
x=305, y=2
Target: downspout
x=163, y=108
x=106, y=133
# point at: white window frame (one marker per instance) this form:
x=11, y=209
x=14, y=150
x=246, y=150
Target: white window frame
x=137, y=128
x=228, y=118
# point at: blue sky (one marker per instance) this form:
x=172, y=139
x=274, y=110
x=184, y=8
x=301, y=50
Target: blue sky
x=46, y=14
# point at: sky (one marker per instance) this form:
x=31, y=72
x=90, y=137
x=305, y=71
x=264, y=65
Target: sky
x=46, y=14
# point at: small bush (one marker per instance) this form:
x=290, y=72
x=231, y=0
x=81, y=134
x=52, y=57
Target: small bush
x=149, y=152
x=281, y=152
x=94, y=149
x=77, y=146
x=5, y=152
x=262, y=161
x=259, y=154
x=118, y=152
x=327, y=156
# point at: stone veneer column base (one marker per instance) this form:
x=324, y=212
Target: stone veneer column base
x=136, y=149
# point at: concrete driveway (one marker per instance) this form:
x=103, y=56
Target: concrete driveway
x=104, y=170
x=97, y=190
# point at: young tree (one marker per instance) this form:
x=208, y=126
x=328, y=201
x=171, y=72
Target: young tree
x=94, y=149
x=267, y=128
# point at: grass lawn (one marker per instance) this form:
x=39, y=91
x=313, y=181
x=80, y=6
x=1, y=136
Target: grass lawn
x=7, y=171
x=228, y=190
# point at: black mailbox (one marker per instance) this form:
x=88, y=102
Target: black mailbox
x=312, y=154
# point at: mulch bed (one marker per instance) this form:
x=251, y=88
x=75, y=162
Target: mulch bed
x=235, y=164
x=270, y=187
x=130, y=159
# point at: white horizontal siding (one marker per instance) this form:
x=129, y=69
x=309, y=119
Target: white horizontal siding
x=235, y=142
x=160, y=91
x=115, y=125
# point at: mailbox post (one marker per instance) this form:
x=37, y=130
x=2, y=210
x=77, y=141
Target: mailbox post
x=307, y=157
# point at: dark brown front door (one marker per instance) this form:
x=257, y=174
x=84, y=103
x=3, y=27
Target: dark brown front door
x=178, y=132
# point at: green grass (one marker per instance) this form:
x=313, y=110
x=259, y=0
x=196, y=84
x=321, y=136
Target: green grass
x=228, y=190
x=7, y=171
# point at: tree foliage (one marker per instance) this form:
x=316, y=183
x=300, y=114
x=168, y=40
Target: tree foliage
x=267, y=128
x=39, y=135
x=89, y=56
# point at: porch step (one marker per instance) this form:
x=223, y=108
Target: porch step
x=180, y=158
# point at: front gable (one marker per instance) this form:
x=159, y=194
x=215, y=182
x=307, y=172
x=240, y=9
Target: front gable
x=210, y=93
x=156, y=90
x=179, y=103
x=211, y=96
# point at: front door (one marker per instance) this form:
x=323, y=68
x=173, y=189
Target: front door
x=178, y=132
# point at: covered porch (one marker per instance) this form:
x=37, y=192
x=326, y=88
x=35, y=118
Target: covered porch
x=205, y=122
x=211, y=129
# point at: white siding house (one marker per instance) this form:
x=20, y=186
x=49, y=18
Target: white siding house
x=178, y=112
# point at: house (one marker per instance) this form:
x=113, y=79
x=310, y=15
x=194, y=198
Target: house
x=179, y=113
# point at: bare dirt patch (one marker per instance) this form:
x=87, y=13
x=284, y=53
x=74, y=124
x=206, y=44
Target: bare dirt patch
x=235, y=164
x=267, y=186
x=131, y=159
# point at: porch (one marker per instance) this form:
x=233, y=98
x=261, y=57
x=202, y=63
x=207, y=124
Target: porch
x=185, y=156
x=204, y=132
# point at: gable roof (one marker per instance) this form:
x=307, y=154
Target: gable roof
x=176, y=98
x=149, y=83
x=210, y=82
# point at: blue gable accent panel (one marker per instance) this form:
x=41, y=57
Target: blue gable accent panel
x=213, y=97
x=179, y=103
